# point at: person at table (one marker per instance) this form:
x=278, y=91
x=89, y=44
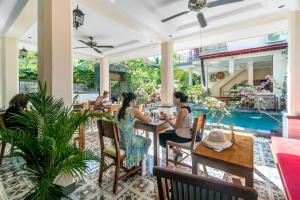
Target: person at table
x=16, y=105
x=99, y=104
x=135, y=146
x=182, y=128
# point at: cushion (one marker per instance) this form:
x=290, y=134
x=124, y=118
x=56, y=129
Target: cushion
x=285, y=145
x=111, y=150
x=289, y=166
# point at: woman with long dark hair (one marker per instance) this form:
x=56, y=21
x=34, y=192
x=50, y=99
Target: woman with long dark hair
x=182, y=131
x=16, y=105
x=135, y=146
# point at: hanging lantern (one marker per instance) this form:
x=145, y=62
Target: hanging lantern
x=78, y=18
x=23, y=53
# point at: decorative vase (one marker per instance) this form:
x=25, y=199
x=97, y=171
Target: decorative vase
x=232, y=137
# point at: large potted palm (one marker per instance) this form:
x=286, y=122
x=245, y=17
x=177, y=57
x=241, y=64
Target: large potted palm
x=44, y=144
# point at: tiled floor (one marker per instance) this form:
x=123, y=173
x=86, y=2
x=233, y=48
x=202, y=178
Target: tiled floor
x=267, y=181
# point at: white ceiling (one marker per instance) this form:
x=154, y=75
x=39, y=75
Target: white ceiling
x=132, y=25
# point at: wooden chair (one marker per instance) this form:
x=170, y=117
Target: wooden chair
x=2, y=143
x=110, y=130
x=183, y=186
x=91, y=104
x=141, y=107
x=198, y=128
x=80, y=137
x=113, y=108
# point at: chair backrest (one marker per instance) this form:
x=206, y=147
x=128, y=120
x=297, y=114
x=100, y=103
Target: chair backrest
x=114, y=108
x=182, y=186
x=108, y=129
x=198, y=128
x=91, y=104
x=86, y=106
x=141, y=107
x=1, y=120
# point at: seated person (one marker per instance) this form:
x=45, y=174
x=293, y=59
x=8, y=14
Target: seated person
x=16, y=105
x=135, y=146
x=100, y=100
x=182, y=131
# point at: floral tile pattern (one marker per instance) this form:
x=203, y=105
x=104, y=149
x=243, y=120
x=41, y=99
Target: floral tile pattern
x=267, y=180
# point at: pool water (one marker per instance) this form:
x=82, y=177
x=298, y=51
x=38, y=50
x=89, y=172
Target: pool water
x=247, y=120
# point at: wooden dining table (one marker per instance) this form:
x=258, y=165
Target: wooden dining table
x=236, y=160
x=154, y=127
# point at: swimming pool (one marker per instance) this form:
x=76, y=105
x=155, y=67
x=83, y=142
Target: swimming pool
x=246, y=120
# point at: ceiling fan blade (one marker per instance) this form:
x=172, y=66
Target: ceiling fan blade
x=105, y=46
x=84, y=42
x=174, y=16
x=221, y=2
x=166, y=2
x=201, y=19
x=97, y=50
x=81, y=47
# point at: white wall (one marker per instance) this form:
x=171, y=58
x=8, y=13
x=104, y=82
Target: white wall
x=1, y=73
x=84, y=97
x=279, y=69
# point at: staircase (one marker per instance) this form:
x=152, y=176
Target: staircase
x=216, y=90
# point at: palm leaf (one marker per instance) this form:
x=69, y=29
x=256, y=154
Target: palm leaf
x=44, y=143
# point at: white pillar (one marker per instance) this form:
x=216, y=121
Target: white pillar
x=104, y=75
x=293, y=71
x=231, y=66
x=279, y=70
x=190, y=76
x=250, y=73
x=9, y=70
x=291, y=119
x=55, y=47
x=167, y=73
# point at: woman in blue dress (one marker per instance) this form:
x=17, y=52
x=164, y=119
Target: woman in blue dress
x=135, y=146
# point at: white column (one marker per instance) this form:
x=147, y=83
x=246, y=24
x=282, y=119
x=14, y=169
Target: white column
x=250, y=73
x=55, y=47
x=293, y=71
x=104, y=75
x=9, y=70
x=190, y=76
x=231, y=66
x=279, y=70
x=167, y=73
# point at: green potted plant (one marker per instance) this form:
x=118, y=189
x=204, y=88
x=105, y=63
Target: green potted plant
x=45, y=144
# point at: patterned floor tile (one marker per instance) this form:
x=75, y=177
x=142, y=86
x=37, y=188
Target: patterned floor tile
x=267, y=181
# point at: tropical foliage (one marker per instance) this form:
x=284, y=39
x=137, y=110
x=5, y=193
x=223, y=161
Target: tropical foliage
x=145, y=78
x=83, y=73
x=28, y=66
x=83, y=70
x=44, y=144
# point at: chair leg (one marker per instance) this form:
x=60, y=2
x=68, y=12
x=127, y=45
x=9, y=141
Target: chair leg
x=116, y=181
x=2, y=151
x=11, y=149
x=141, y=166
x=102, y=165
x=167, y=155
x=205, y=171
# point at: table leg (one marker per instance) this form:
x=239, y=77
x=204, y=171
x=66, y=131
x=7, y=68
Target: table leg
x=249, y=178
x=194, y=164
x=156, y=147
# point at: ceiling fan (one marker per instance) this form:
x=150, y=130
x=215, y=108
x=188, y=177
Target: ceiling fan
x=93, y=45
x=197, y=6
